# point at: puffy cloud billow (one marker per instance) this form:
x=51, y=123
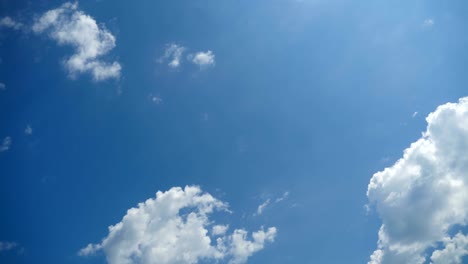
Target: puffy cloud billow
x=202, y=59
x=174, y=228
x=69, y=26
x=423, y=198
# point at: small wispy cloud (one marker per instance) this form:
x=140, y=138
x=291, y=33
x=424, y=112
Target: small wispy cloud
x=28, y=130
x=269, y=202
x=7, y=246
x=282, y=198
x=202, y=59
x=173, y=53
x=2, y=87
x=427, y=23
x=262, y=207
x=6, y=144
x=9, y=22
x=415, y=114
x=156, y=99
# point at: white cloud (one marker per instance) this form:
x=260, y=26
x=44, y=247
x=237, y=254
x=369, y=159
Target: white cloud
x=2, y=87
x=6, y=144
x=8, y=22
x=455, y=249
x=174, y=54
x=219, y=230
x=28, y=130
x=203, y=59
x=241, y=248
x=282, y=198
x=69, y=26
x=172, y=228
x=428, y=23
x=423, y=195
x=262, y=207
x=156, y=99
x=415, y=114
x=7, y=246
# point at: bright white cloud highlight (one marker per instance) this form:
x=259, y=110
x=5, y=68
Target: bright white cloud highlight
x=6, y=144
x=8, y=22
x=203, y=59
x=173, y=228
x=173, y=53
x=424, y=194
x=69, y=26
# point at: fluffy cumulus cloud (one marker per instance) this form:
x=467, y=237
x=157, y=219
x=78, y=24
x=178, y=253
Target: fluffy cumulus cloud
x=173, y=228
x=6, y=144
x=8, y=22
x=203, y=59
x=423, y=197
x=69, y=26
x=173, y=53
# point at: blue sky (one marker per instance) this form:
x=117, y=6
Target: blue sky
x=286, y=112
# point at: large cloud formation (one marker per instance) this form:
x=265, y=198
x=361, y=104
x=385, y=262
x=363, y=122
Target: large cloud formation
x=423, y=198
x=69, y=26
x=173, y=228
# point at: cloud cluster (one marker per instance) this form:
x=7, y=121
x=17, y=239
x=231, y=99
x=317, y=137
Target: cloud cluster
x=174, y=52
x=423, y=196
x=173, y=228
x=69, y=26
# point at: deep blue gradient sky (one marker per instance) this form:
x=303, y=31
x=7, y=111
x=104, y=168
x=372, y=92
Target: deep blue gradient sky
x=306, y=97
